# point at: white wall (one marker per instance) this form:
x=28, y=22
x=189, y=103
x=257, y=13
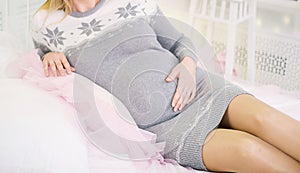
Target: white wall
x=175, y=8
x=175, y=4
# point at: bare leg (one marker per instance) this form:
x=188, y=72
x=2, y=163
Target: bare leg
x=236, y=151
x=246, y=113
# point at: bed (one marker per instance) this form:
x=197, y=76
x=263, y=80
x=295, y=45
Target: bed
x=39, y=128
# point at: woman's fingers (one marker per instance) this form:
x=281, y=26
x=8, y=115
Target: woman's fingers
x=185, y=98
x=181, y=98
x=56, y=61
x=176, y=108
x=176, y=98
x=193, y=94
x=53, y=67
x=185, y=90
x=45, y=66
x=60, y=67
x=67, y=65
x=186, y=94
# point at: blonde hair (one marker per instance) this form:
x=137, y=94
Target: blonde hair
x=53, y=5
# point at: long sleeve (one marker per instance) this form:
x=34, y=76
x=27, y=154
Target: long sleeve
x=42, y=49
x=171, y=39
x=37, y=36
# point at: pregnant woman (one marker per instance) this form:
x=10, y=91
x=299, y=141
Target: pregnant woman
x=129, y=48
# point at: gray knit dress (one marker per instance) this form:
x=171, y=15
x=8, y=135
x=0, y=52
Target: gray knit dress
x=131, y=59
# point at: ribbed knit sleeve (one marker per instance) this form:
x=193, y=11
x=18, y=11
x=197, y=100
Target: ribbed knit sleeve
x=171, y=39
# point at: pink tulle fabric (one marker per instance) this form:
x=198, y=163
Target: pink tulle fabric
x=118, y=137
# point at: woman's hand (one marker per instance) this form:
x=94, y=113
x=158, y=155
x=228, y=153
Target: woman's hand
x=185, y=71
x=56, y=61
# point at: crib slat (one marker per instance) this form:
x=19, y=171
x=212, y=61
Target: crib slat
x=193, y=7
x=223, y=7
x=241, y=8
x=27, y=30
x=212, y=16
x=5, y=16
x=204, y=8
x=231, y=39
x=246, y=8
x=251, y=68
x=213, y=4
x=192, y=11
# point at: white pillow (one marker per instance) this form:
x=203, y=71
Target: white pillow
x=37, y=133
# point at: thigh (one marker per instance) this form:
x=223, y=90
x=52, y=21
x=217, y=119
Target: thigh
x=228, y=150
x=247, y=113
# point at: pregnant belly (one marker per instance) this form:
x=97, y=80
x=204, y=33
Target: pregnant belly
x=140, y=84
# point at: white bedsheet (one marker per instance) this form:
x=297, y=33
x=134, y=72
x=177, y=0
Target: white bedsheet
x=39, y=131
x=37, y=136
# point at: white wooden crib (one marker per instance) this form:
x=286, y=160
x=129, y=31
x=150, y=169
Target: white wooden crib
x=232, y=13
x=31, y=142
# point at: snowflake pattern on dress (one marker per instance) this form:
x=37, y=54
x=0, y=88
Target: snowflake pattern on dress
x=72, y=31
x=89, y=28
x=127, y=11
x=55, y=37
